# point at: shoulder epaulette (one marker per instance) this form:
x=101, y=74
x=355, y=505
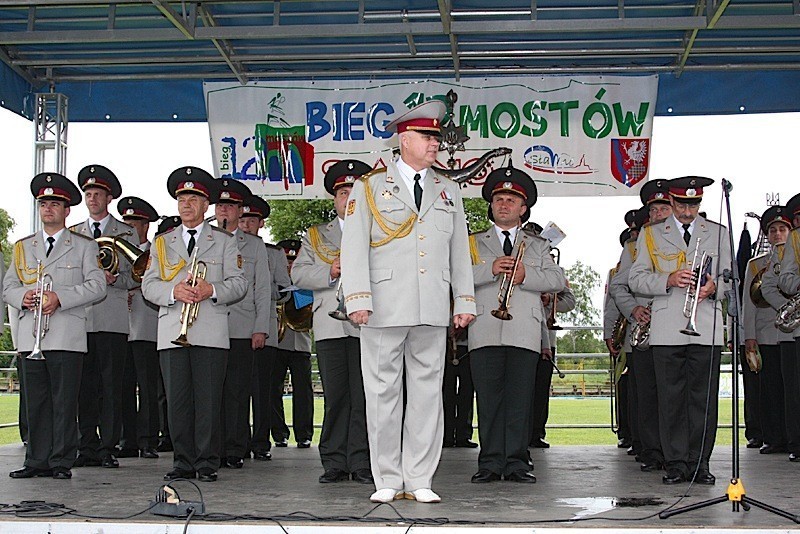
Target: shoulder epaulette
x=74, y=227
x=533, y=235
x=218, y=229
x=366, y=176
x=165, y=232
x=270, y=245
x=78, y=234
x=26, y=237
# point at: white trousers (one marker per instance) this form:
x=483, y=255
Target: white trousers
x=404, y=452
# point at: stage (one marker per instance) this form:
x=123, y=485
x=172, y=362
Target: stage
x=283, y=495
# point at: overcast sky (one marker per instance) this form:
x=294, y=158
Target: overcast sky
x=754, y=152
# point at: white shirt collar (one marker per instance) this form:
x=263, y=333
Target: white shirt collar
x=512, y=234
x=679, y=225
x=341, y=223
x=56, y=236
x=187, y=236
x=407, y=174
x=103, y=223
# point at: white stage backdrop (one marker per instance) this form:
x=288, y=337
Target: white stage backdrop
x=576, y=136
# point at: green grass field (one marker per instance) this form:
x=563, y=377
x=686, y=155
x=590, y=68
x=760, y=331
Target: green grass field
x=562, y=411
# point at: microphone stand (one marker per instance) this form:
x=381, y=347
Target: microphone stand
x=735, y=492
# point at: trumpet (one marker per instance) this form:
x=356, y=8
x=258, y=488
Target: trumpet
x=640, y=333
x=507, y=284
x=340, y=313
x=699, y=271
x=190, y=311
x=41, y=322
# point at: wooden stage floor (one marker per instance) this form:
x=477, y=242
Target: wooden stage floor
x=573, y=482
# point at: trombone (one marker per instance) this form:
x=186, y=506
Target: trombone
x=190, y=311
x=507, y=283
x=699, y=271
x=41, y=322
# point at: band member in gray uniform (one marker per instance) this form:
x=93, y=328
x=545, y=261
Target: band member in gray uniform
x=761, y=335
x=248, y=324
x=194, y=369
x=254, y=211
x=343, y=446
x=686, y=366
x=406, y=246
x=100, y=403
x=504, y=353
x=636, y=308
x=294, y=355
x=69, y=263
x=789, y=287
x=140, y=419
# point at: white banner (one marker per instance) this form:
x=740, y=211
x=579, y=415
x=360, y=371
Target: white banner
x=576, y=136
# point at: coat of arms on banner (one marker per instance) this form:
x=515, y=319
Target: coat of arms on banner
x=629, y=160
x=284, y=155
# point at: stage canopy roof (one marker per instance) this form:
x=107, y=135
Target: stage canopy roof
x=136, y=60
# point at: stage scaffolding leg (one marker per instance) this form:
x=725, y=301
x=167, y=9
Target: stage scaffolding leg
x=49, y=140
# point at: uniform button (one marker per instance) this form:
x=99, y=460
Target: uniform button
x=422, y=271
x=421, y=220
x=421, y=237
x=421, y=254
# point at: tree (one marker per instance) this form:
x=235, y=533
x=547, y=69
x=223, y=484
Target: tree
x=289, y=219
x=582, y=281
x=6, y=225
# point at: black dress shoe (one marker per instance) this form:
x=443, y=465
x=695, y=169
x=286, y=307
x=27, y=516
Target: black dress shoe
x=262, y=456
x=649, y=467
x=753, y=443
x=148, y=452
x=109, y=461
x=539, y=443
x=333, y=475
x=794, y=457
x=165, y=445
x=530, y=460
x=282, y=443
x=624, y=443
x=483, y=476
x=233, y=462
x=62, y=473
x=673, y=476
x=363, y=476
x=521, y=476
x=85, y=461
x=631, y=451
x=466, y=444
x=771, y=449
x=178, y=473
x=705, y=478
x=30, y=472
x=306, y=443
x=206, y=474
x=127, y=453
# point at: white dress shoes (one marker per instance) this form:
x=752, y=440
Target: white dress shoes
x=386, y=495
x=423, y=495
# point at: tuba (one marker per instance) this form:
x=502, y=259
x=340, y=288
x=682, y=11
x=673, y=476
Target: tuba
x=297, y=319
x=190, y=311
x=640, y=333
x=41, y=323
x=788, y=318
x=111, y=247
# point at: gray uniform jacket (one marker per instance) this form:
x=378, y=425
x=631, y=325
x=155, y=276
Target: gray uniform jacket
x=610, y=310
x=143, y=313
x=251, y=314
x=310, y=271
x=217, y=249
x=110, y=313
x=771, y=292
x=619, y=289
x=758, y=323
x=653, y=265
x=407, y=280
x=279, y=271
x=789, y=278
x=542, y=275
x=77, y=280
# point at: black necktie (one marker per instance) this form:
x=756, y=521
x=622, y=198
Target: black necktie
x=50, y=241
x=507, y=246
x=190, y=246
x=96, y=230
x=686, y=235
x=417, y=191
